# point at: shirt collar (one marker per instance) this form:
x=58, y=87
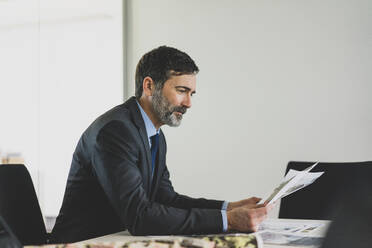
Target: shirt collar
x=150, y=128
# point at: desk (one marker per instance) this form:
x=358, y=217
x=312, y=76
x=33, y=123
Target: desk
x=120, y=238
x=123, y=237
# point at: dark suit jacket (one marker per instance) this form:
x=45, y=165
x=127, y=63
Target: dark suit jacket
x=109, y=189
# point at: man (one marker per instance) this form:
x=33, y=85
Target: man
x=119, y=179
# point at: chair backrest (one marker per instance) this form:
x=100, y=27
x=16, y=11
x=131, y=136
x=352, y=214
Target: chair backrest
x=352, y=225
x=322, y=199
x=19, y=205
x=7, y=238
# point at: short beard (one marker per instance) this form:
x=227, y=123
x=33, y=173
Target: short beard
x=164, y=110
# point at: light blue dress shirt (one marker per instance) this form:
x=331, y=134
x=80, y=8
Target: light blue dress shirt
x=150, y=128
x=151, y=131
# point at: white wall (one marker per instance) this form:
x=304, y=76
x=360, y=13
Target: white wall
x=19, y=73
x=278, y=81
x=61, y=66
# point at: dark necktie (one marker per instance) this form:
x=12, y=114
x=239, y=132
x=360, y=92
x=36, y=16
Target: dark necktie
x=154, y=151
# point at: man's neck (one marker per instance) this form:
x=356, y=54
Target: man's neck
x=146, y=106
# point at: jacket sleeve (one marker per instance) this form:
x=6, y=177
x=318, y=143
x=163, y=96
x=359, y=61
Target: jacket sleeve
x=167, y=196
x=116, y=159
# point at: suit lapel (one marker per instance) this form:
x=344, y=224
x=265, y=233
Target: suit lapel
x=137, y=118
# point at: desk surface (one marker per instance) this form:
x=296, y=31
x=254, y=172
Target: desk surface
x=122, y=237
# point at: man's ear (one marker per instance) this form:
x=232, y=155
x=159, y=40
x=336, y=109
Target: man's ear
x=148, y=86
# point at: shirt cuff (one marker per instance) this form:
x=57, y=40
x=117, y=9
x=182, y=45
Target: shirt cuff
x=224, y=205
x=224, y=220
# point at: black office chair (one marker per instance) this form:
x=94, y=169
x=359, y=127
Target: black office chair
x=352, y=225
x=323, y=198
x=7, y=237
x=19, y=205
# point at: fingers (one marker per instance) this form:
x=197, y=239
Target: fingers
x=246, y=219
x=256, y=216
x=261, y=212
x=259, y=206
x=270, y=207
x=254, y=199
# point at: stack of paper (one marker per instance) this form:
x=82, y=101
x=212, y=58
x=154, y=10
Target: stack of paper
x=293, y=181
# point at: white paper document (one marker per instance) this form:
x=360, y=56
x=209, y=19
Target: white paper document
x=275, y=238
x=289, y=227
x=291, y=233
x=293, y=181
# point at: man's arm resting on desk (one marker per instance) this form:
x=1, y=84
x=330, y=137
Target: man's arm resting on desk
x=115, y=163
x=166, y=195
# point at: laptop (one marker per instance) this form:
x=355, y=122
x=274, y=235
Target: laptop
x=7, y=237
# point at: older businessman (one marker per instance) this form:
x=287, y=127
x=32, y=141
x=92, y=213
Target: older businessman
x=119, y=178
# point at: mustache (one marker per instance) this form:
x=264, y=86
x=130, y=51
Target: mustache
x=180, y=109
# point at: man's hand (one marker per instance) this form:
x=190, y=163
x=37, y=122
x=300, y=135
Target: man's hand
x=247, y=219
x=248, y=203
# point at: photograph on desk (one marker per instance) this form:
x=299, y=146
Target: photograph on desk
x=204, y=241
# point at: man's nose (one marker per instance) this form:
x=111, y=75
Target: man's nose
x=187, y=101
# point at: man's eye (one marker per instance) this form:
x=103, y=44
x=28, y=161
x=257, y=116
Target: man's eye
x=181, y=90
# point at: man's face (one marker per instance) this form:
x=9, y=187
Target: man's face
x=170, y=103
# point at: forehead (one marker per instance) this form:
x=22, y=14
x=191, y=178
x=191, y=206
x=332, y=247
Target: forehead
x=187, y=80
